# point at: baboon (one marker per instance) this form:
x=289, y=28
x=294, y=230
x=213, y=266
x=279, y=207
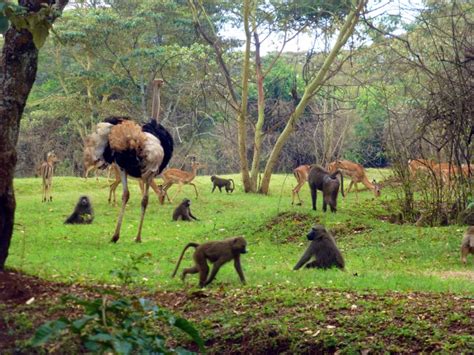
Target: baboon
x=320, y=179
x=220, y=183
x=183, y=211
x=218, y=253
x=323, y=248
x=467, y=245
x=83, y=212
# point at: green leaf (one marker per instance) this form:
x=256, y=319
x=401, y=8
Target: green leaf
x=40, y=33
x=47, y=331
x=103, y=337
x=92, y=346
x=181, y=351
x=122, y=346
x=189, y=329
x=78, y=324
x=4, y=24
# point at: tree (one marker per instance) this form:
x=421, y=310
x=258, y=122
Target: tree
x=255, y=17
x=18, y=66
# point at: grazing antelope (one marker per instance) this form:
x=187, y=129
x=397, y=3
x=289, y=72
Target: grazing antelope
x=423, y=165
x=177, y=176
x=46, y=172
x=357, y=174
x=301, y=174
x=444, y=171
x=448, y=172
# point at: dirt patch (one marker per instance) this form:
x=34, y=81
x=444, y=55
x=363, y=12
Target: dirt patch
x=18, y=288
x=348, y=228
x=268, y=319
x=289, y=227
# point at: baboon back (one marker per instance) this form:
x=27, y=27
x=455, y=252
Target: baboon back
x=327, y=254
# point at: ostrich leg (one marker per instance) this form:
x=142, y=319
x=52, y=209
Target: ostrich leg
x=125, y=197
x=138, y=239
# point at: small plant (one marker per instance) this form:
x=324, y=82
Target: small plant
x=129, y=270
x=120, y=325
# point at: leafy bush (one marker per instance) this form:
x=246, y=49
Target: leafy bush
x=120, y=325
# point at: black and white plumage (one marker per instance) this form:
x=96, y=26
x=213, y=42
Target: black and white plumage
x=139, y=151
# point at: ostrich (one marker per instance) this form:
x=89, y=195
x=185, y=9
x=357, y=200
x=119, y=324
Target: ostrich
x=139, y=151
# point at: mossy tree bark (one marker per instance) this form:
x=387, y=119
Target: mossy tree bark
x=18, y=65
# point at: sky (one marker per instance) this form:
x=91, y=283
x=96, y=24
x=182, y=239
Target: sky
x=407, y=9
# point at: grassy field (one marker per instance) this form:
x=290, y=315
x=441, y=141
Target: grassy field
x=393, y=272
x=385, y=256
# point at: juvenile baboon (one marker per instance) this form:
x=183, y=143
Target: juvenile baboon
x=183, y=211
x=323, y=248
x=221, y=182
x=218, y=253
x=320, y=179
x=83, y=212
x=467, y=245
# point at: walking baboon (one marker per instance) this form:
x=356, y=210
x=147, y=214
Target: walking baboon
x=467, y=245
x=221, y=182
x=183, y=211
x=320, y=179
x=218, y=253
x=323, y=248
x=83, y=212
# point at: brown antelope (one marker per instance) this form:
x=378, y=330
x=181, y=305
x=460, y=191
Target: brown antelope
x=46, y=172
x=357, y=174
x=301, y=174
x=90, y=164
x=448, y=172
x=177, y=176
x=113, y=186
x=444, y=171
x=416, y=165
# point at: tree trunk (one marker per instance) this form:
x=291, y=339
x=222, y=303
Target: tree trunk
x=242, y=120
x=313, y=86
x=18, y=66
x=257, y=149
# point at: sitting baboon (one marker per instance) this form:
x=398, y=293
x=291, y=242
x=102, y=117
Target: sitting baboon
x=320, y=179
x=183, y=211
x=83, y=212
x=467, y=245
x=218, y=253
x=323, y=248
x=221, y=182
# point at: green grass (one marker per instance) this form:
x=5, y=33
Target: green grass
x=385, y=257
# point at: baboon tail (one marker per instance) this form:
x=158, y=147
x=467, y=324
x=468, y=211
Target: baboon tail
x=194, y=245
x=233, y=185
x=342, y=185
x=333, y=175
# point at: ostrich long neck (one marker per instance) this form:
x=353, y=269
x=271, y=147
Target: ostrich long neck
x=155, y=107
